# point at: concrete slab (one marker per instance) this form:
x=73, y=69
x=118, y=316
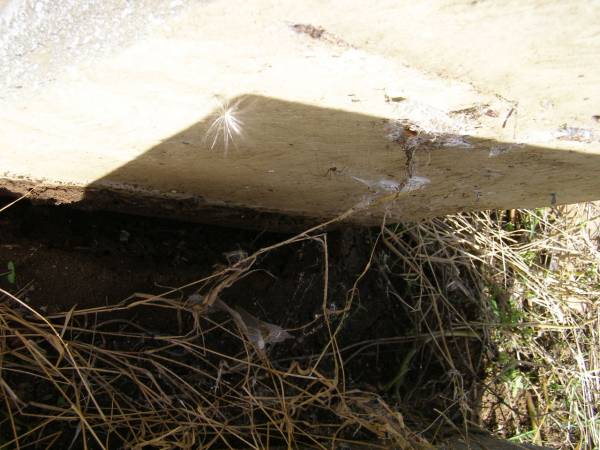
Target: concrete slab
x=330, y=105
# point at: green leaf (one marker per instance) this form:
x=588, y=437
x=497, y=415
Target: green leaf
x=11, y=276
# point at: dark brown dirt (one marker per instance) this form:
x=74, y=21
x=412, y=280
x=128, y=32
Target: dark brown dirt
x=65, y=257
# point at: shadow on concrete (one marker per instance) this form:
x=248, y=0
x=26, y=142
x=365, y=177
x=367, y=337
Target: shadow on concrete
x=295, y=164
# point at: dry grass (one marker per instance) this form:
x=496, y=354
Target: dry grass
x=107, y=383
x=503, y=323
x=531, y=279
x=102, y=380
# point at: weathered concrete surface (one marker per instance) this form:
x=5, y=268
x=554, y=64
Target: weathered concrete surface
x=339, y=104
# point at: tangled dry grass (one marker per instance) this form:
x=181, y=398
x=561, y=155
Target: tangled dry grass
x=533, y=279
x=502, y=329
x=107, y=387
x=103, y=380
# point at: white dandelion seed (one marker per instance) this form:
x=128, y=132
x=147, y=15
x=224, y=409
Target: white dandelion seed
x=227, y=125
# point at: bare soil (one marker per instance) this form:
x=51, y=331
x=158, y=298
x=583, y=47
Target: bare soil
x=65, y=257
